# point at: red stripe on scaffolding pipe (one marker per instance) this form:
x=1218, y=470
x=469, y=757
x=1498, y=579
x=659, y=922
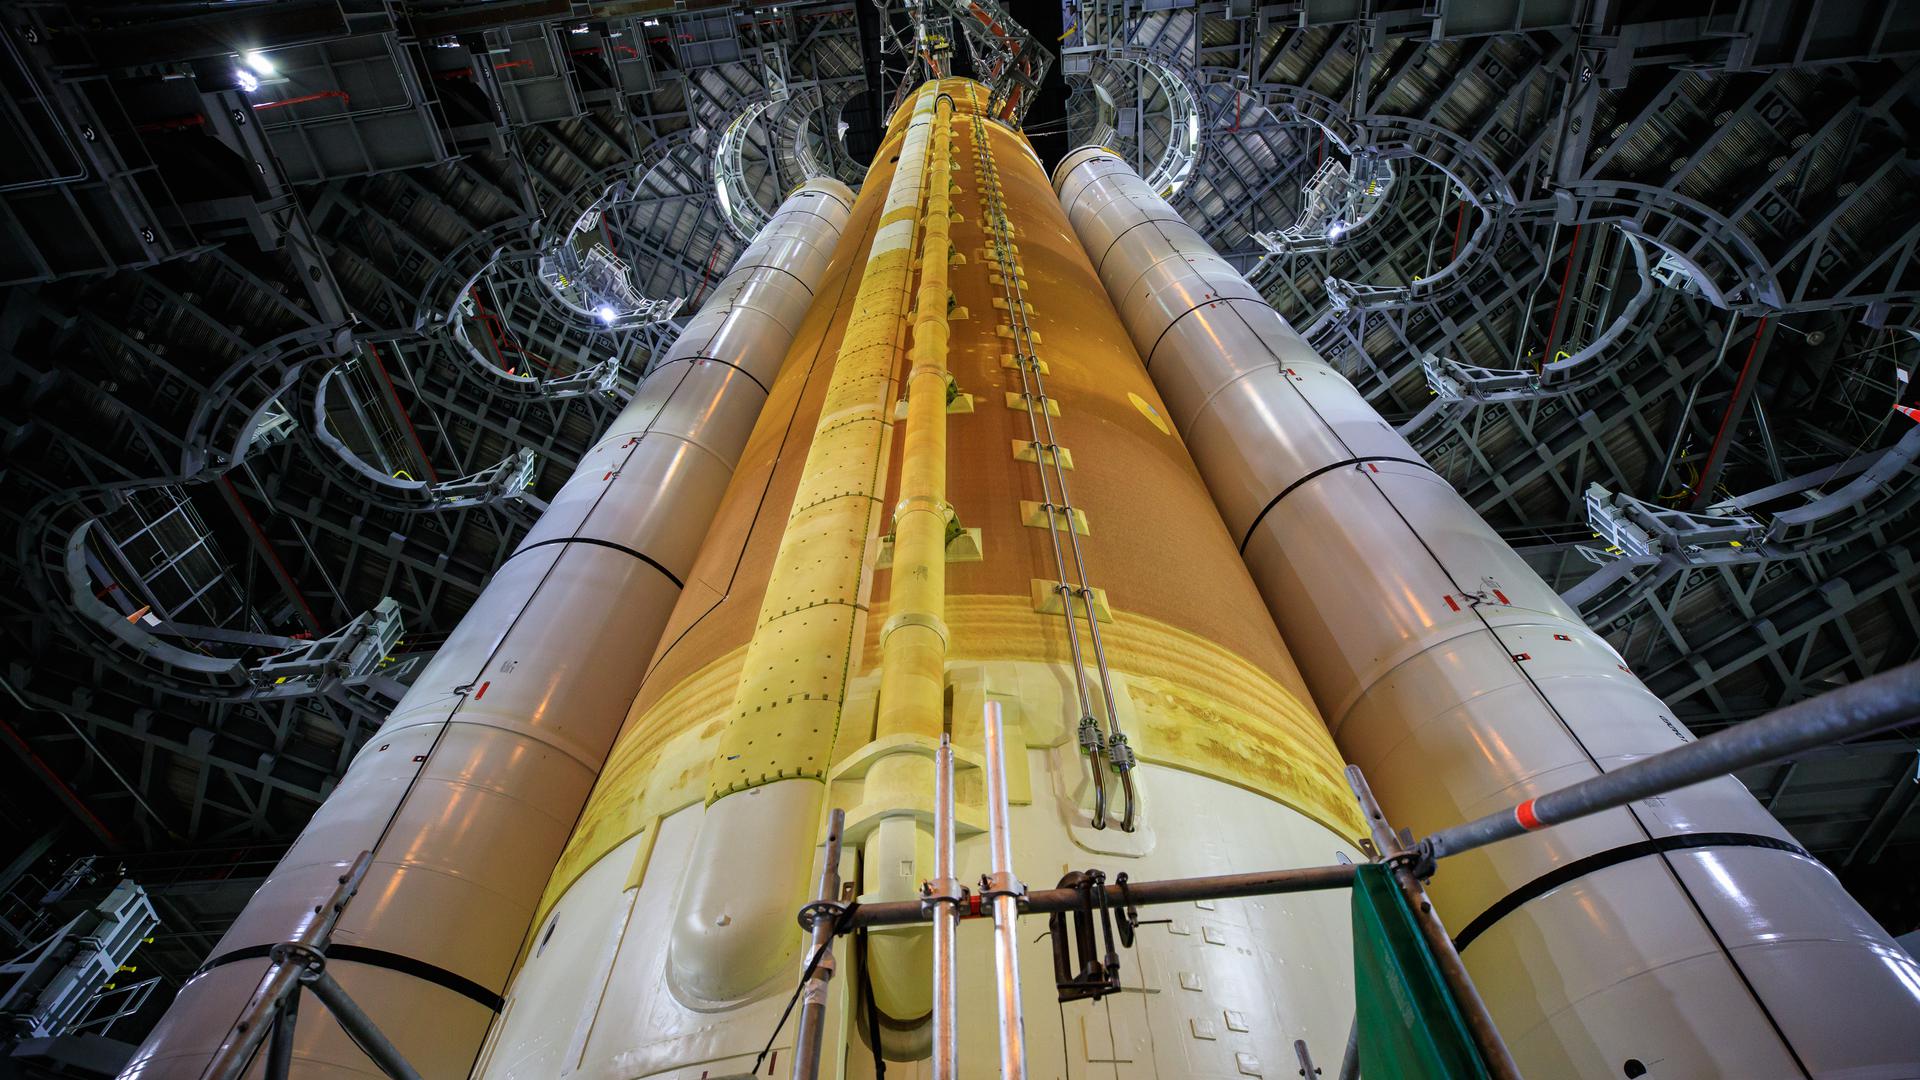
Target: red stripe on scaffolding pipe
x=266, y=545
x=52, y=778
x=1573, y=248
x=1726, y=418
x=432, y=477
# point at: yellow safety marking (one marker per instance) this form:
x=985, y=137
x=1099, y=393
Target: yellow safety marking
x=1152, y=414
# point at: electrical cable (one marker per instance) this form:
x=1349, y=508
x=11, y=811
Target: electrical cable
x=839, y=927
x=872, y=1007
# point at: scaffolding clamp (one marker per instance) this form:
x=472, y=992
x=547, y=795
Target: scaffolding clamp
x=937, y=891
x=1001, y=883
x=1129, y=918
x=1417, y=857
x=835, y=910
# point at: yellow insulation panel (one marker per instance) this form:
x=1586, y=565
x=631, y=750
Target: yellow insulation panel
x=1193, y=706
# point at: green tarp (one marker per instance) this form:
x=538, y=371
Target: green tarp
x=1409, y=1026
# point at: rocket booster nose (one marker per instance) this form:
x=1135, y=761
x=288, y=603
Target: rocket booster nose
x=736, y=929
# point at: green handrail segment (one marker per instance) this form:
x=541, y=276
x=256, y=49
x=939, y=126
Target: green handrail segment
x=1410, y=1028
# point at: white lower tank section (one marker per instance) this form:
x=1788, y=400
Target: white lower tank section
x=1220, y=988
x=1684, y=936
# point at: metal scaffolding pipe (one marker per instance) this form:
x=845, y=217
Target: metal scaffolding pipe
x=281, y=983
x=256, y=1022
x=1473, y=1010
x=280, y=1047
x=1004, y=890
x=1886, y=700
x=1137, y=893
x=813, y=996
x=359, y=1026
x=942, y=904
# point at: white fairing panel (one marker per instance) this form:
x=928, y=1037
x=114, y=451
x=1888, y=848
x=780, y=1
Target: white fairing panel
x=468, y=792
x=1687, y=932
x=1218, y=989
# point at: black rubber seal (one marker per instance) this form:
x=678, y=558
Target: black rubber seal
x=380, y=958
x=648, y=559
x=1322, y=470
x=1580, y=868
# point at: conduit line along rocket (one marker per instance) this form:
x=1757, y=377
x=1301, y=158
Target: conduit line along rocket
x=467, y=793
x=1690, y=930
